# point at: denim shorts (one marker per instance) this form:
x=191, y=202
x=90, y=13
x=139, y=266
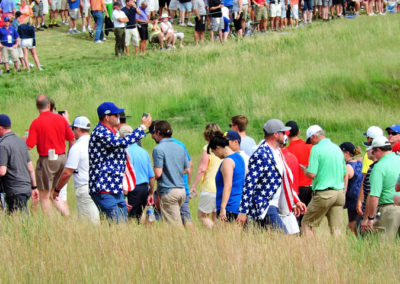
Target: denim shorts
x=183, y=7
x=308, y=5
x=112, y=206
x=272, y=220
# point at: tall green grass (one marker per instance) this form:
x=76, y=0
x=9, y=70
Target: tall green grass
x=343, y=75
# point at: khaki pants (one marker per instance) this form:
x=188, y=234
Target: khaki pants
x=171, y=206
x=85, y=205
x=327, y=203
x=389, y=220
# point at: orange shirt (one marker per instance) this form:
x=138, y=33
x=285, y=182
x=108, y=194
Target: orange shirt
x=294, y=2
x=26, y=11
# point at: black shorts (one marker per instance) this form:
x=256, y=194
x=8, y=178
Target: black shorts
x=352, y=214
x=288, y=12
x=143, y=31
x=238, y=22
x=337, y=2
x=163, y=2
x=138, y=200
x=200, y=25
x=231, y=217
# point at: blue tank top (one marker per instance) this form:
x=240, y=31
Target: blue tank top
x=237, y=184
x=354, y=185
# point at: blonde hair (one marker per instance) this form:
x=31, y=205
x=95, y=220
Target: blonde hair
x=27, y=20
x=211, y=130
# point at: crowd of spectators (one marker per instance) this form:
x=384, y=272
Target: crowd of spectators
x=283, y=183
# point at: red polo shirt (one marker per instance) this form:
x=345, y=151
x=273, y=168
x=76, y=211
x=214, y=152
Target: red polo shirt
x=49, y=131
x=302, y=151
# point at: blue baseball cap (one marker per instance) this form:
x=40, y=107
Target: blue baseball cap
x=108, y=108
x=6, y=19
x=394, y=127
x=232, y=135
x=5, y=120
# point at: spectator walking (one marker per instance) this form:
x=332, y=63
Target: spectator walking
x=229, y=179
x=327, y=169
x=170, y=164
x=16, y=168
x=144, y=189
x=9, y=42
x=239, y=124
x=383, y=182
x=77, y=165
x=205, y=176
x=48, y=133
x=98, y=7
x=352, y=182
x=269, y=177
x=107, y=161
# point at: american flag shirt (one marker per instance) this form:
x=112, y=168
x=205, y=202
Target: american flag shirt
x=107, y=158
x=262, y=181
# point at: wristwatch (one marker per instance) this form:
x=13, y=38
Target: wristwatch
x=371, y=218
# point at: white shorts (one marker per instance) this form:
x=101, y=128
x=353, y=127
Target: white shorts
x=173, y=5
x=86, y=11
x=152, y=5
x=63, y=193
x=207, y=202
x=27, y=43
x=275, y=10
x=132, y=37
x=55, y=5
x=45, y=7
x=295, y=11
x=283, y=10
x=179, y=36
x=20, y=53
x=87, y=209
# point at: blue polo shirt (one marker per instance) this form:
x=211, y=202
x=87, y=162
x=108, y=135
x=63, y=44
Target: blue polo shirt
x=141, y=162
x=8, y=6
x=73, y=4
x=172, y=159
x=8, y=36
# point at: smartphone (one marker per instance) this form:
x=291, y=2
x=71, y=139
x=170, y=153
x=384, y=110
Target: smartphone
x=145, y=115
x=61, y=112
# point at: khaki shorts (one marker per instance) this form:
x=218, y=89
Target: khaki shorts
x=64, y=5
x=55, y=5
x=87, y=209
x=132, y=37
x=49, y=172
x=327, y=203
x=261, y=13
x=7, y=52
x=389, y=221
x=245, y=11
x=170, y=204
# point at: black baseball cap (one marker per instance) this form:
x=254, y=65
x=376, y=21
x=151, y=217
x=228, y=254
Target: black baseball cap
x=294, y=128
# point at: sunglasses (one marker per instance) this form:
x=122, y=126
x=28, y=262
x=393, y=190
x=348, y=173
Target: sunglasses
x=392, y=133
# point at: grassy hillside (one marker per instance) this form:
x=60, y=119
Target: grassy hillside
x=343, y=75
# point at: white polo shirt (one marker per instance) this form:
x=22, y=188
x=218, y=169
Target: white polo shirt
x=78, y=160
x=117, y=14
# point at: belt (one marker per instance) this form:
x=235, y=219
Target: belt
x=48, y=156
x=384, y=205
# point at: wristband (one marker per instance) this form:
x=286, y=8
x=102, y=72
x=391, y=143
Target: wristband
x=371, y=218
x=58, y=191
x=34, y=187
x=143, y=127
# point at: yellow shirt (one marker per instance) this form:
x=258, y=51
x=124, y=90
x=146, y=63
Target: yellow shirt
x=366, y=164
x=208, y=180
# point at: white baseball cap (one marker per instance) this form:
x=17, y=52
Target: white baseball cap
x=81, y=122
x=312, y=130
x=373, y=132
x=380, y=141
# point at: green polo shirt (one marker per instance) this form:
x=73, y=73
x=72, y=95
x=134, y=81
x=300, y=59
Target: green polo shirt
x=383, y=178
x=327, y=163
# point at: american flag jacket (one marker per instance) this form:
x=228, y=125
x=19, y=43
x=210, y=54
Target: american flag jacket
x=262, y=182
x=107, y=158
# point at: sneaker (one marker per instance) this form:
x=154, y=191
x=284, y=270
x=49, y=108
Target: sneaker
x=56, y=25
x=51, y=25
x=104, y=39
x=18, y=70
x=44, y=26
x=91, y=34
x=66, y=23
x=71, y=32
x=190, y=24
x=182, y=24
x=39, y=29
x=40, y=69
x=89, y=28
x=75, y=31
x=83, y=29
x=98, y=41
x=8, y=71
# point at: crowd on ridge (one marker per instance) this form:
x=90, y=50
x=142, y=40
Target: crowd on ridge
x=283, y=183
x=137, y=23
